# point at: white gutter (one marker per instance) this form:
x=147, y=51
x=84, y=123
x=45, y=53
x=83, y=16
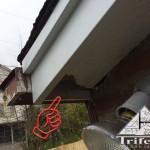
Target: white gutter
x=48, y=34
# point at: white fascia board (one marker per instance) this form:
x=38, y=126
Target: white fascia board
x=51, y=68
x=48, y=34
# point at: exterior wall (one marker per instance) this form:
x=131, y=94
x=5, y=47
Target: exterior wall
x=3, y=74
x=119, y=84
x=11, y=113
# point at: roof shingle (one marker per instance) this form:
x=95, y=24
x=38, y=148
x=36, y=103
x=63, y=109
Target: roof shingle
x=41, y=20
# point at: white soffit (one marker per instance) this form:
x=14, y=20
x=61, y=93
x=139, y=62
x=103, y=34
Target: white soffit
x=123, y=27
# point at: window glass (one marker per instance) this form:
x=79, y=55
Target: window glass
x=5, y=134
x=12, y=110
x=1, y=110
x=9, y=111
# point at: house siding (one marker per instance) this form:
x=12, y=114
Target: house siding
x=9, y=119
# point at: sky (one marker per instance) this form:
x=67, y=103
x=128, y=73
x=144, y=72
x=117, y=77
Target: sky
x=16, y=22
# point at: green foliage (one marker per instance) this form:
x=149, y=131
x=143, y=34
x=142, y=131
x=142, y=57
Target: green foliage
x=74, y=118
x=34, y=143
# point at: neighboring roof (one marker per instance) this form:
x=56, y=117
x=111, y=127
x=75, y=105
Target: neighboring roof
x=8, y=78
x=4, y=71
x=41, y=20
x=5, y=68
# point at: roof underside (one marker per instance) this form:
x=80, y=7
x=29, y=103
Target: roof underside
x=122, y=28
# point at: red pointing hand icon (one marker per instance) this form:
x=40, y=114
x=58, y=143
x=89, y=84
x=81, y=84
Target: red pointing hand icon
x=48, y=120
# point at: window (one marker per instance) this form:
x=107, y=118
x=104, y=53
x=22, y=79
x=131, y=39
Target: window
x=9, y=111
x=12, y=110
x=1, y=110
x=19, y=132
x=5, y=134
